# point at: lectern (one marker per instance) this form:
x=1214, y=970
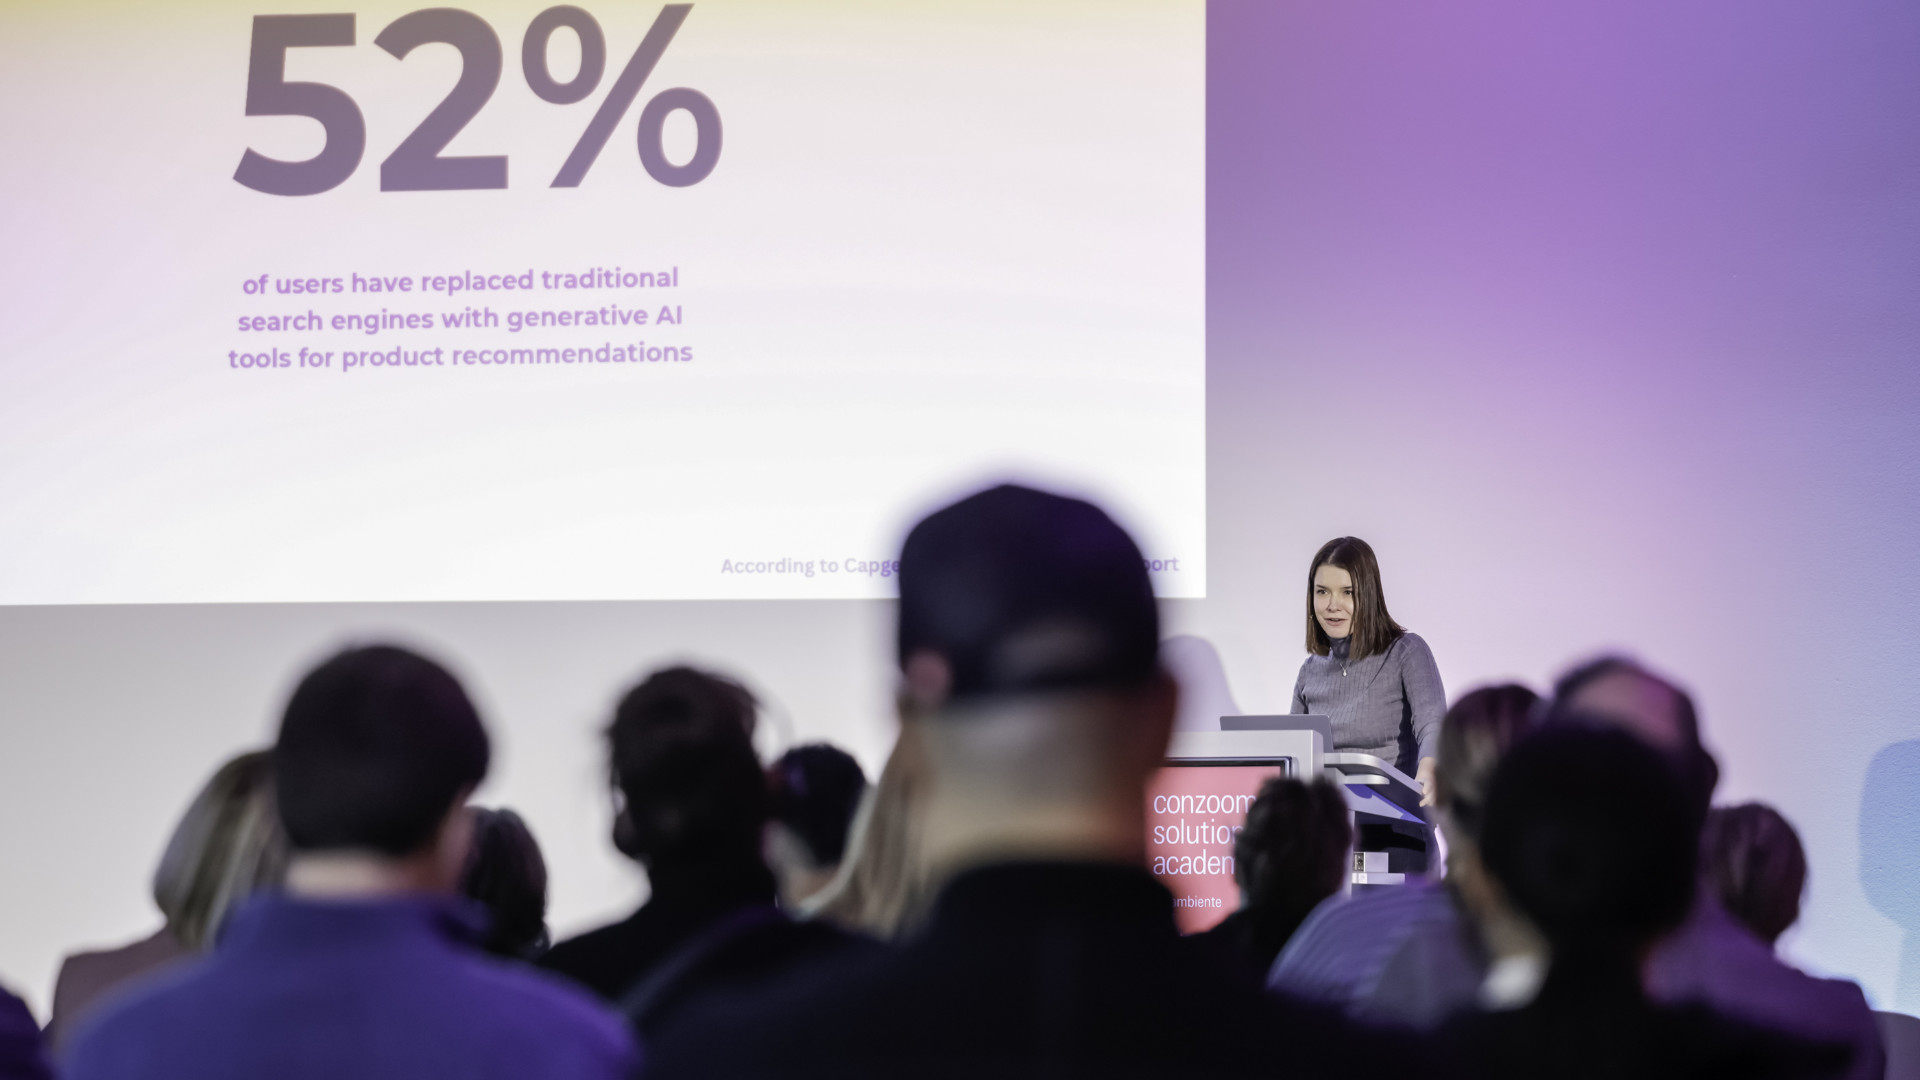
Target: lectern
x=1212, y=776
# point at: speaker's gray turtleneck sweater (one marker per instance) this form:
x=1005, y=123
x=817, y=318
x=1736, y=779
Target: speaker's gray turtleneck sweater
x=1388, y=704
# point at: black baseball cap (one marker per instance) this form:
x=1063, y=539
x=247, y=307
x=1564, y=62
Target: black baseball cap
x=1022, y=591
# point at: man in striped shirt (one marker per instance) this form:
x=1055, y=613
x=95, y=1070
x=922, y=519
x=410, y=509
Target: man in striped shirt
x=1409, y=954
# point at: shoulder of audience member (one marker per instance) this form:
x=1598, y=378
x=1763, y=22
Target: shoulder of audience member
x=1321, y=1040
x=13, y=1011
x=1363, y=910
x=798, y=1025
x=1846, y=1005
x=760, y=961
x=1470, y=1039
x=544, y=1000
x=548, y=1018
x=1740, y=1048
x=841, y=940
x=582, y=946
x=519, y=1004
x=1842, y=996
x=1340, y=923
x=1325, y=925
x=78, y=966
x=158, y=1001
x=22, y=1055
x=150, y=1000
x=1713, y=958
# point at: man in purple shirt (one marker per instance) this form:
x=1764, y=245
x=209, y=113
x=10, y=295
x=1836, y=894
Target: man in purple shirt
x=366, y=967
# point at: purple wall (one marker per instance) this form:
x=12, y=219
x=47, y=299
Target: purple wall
x=1600, y=320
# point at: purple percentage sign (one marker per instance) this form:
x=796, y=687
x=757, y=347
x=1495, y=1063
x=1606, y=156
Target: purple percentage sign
x=653, y=118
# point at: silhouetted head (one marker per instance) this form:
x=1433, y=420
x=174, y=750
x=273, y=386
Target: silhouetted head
x=1754, y=861
x=1476, y=733
x=683, y=761
x=815, y=790
x=1029, y=647
x=378, y=746
x=1591, y=834
x=1617, y=692
x=1295, y=848
x=506, y=873
x=1014, y=591
x=227, y=846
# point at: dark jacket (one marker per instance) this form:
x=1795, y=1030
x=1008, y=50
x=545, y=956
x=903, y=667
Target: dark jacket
x=611, y=959
x=21, y=1055
x=752, y=950
x=1025, y=969
x=712, y=933
x=1243, y=945
x=1600, y=1025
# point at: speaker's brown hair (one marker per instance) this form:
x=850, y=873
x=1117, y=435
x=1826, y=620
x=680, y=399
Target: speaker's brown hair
x=1374, y=631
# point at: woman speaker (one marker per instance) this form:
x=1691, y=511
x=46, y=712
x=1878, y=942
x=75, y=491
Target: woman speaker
x=1373, y=678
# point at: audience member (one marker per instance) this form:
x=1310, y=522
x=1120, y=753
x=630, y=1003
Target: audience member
x=365, y=967
x=816, y=790
x=227, y=846
x=1028, y=639
x=331, y=905
x=506, y=874
x=882, y=888
x=1756, y=865
x=1593, y=836
x=1293, y=853
x=692, y=805
x=1410, y=954
x=1711, y=958
x=693, y=811
x=22, y=1055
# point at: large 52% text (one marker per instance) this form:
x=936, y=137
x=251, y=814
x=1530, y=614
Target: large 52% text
x=417, y=163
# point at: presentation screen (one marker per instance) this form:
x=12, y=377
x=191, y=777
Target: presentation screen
x=508, y=301
x=1194, y=811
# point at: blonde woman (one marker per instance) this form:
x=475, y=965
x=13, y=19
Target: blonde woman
x=882, y=886
x=227, y=846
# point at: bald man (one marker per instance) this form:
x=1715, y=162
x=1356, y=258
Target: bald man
x=1712, y=959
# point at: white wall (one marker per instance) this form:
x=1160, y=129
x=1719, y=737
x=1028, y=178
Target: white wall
x=111, y=717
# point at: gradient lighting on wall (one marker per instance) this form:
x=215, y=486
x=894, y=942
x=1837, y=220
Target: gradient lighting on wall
x=1598, y=320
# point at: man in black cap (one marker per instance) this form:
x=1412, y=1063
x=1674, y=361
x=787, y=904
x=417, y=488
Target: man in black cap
x=1028, y=646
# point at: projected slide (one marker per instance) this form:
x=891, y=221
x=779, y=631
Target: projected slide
x=508, y=301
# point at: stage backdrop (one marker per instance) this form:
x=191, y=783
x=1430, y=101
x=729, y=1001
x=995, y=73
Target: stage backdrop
x=1597, y=319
